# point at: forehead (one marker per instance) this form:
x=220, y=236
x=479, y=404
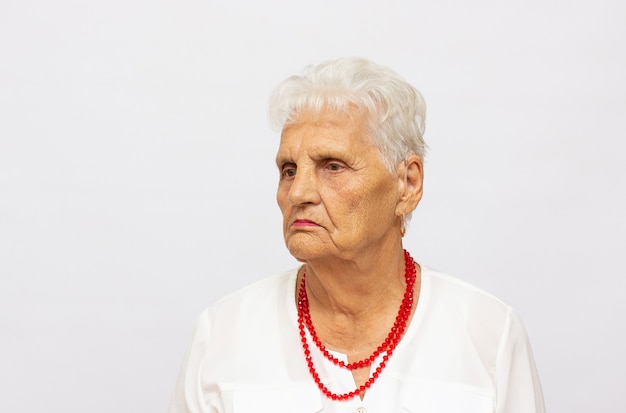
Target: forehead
x=326, y=130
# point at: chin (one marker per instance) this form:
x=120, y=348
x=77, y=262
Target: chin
x=300, y=254
x=305, y=250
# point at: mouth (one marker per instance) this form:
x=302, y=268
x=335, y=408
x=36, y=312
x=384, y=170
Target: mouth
x=303, y=223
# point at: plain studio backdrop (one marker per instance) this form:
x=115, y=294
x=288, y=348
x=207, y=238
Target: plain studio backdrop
x=137, y=177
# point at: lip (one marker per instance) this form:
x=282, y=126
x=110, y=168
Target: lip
x=301, y=223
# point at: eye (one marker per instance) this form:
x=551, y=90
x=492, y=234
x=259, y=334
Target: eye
x=288, y=171
x=334, y=166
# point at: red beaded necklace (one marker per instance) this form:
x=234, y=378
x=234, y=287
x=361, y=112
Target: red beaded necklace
x=388, y=346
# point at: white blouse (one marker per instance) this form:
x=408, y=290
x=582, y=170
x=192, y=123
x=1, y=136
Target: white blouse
x=464, y=352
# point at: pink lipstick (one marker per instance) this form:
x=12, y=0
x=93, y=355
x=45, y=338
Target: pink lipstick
x=303, y=223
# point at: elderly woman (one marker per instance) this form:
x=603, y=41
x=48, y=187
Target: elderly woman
x=359, y=326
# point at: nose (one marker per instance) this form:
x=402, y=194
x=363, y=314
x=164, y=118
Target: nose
x=304, y=187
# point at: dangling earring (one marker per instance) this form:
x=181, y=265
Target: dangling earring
x=406, y=179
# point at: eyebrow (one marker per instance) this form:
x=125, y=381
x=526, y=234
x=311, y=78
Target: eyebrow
x=282, y=160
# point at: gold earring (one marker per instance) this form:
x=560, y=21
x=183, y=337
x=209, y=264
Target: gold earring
x=402, y=226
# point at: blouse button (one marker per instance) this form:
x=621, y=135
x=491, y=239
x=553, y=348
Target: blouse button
x=361, y=410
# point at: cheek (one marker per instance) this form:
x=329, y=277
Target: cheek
x=281, y=197
x=376, y=204
x=351, y=207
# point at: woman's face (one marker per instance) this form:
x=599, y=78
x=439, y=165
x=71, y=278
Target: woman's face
x=336, y=196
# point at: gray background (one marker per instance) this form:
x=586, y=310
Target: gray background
x=137, y=179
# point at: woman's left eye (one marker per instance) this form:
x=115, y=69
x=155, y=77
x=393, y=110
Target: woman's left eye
x=334, y=166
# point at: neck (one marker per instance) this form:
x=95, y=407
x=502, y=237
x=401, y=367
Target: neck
x=356, y=288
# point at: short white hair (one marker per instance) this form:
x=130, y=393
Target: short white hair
x=395, y=110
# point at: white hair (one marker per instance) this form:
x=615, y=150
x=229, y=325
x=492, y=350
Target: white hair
x=395, y=110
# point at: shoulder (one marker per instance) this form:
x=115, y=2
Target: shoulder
x=453, y=298
x=485, y=329
x=447, y=286
x=256, y=298
x=481, y=326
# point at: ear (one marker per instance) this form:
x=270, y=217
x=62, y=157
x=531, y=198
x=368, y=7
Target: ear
x=410, y=180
